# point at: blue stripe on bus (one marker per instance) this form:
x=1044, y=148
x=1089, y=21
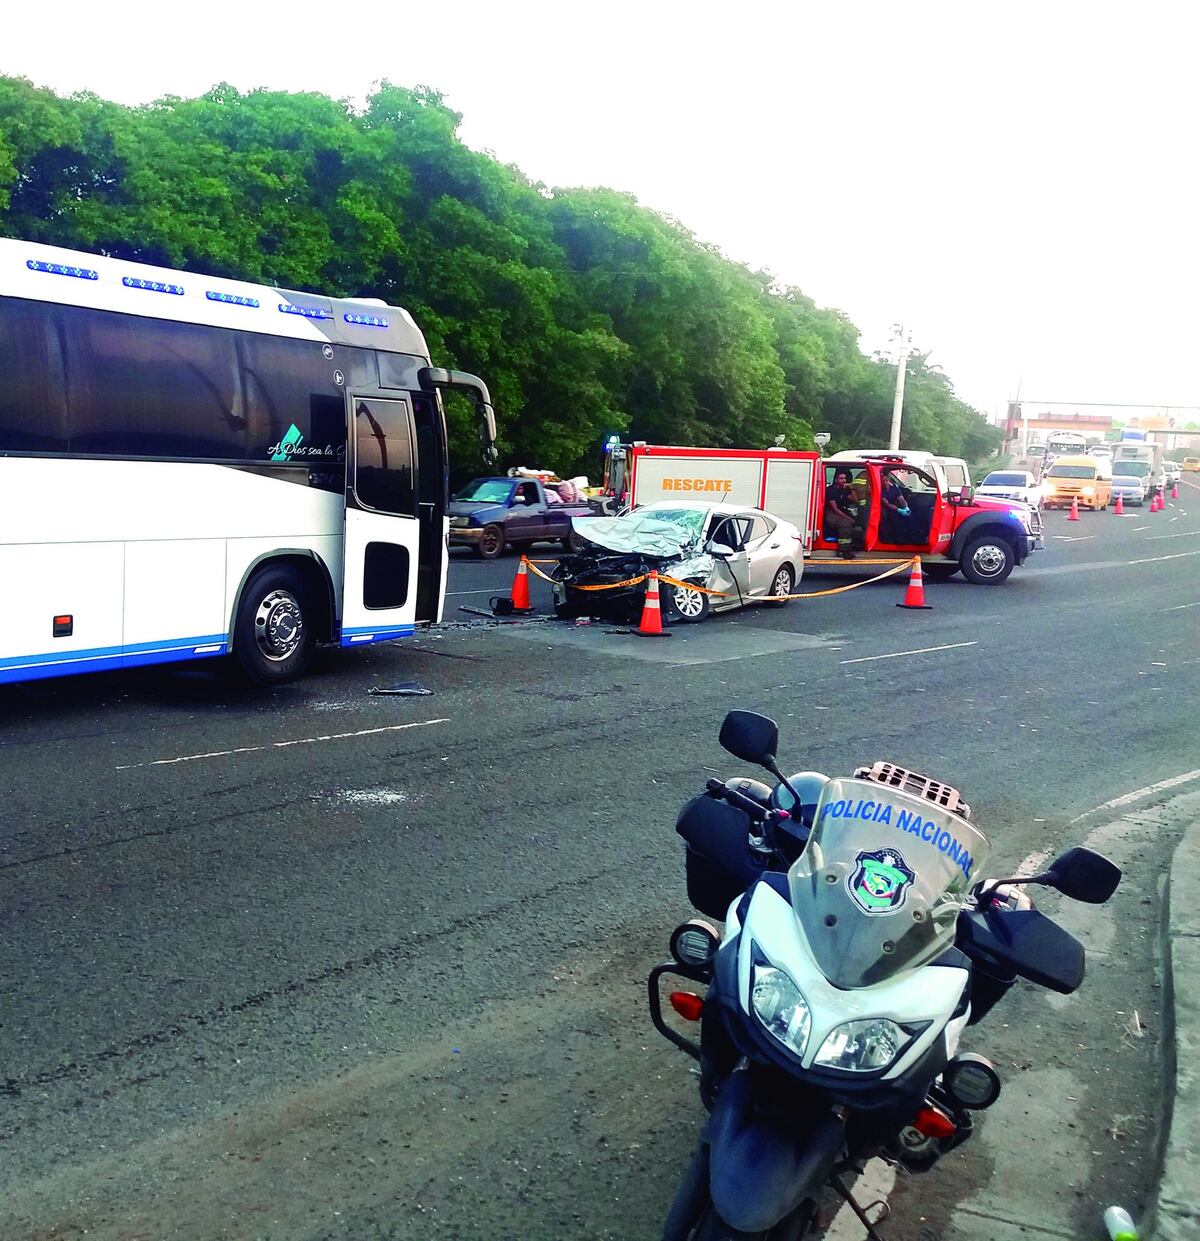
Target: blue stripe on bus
x=102, y=658
x=361, y=635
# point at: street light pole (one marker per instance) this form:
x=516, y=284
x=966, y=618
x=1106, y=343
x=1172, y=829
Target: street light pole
x=904, y=345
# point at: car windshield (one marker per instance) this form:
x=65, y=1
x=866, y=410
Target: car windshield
x=1005, y=480
x=487, y=490
x=1072, y=471
x=690, y=519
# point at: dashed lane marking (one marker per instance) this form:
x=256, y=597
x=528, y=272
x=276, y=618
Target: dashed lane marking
x=282, y=745
x=1153, y=559
x=1139, y=794
x=1179, y=607
x=924, y=650
x=1179, y=534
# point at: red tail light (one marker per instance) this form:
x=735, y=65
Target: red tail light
x=689, y=1006
x=934, y=1123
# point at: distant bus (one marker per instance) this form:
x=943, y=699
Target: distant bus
x=191, y=467
x=1066, y=443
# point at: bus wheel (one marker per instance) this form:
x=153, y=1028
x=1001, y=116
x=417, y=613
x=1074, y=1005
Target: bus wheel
x=273, y=633
x=491, y=542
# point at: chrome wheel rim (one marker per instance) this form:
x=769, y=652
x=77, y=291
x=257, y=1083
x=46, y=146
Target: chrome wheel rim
x=688, y=602
x=279, y=626
x=490, y=541
x=782, y=584
x=988, y=559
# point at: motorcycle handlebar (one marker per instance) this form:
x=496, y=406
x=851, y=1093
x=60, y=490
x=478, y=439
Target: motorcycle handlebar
x=747, y=805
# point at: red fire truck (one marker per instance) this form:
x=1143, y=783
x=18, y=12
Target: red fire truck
x=951, y=531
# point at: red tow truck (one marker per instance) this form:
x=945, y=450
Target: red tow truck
x=951, y=531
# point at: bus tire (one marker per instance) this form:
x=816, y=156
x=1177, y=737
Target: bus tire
x=273, y=635
x=491, y=542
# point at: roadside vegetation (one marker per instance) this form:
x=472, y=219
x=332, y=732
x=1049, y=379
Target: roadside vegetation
x=588, y=314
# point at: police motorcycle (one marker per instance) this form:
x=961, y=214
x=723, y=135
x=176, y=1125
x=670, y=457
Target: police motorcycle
x=859, y=942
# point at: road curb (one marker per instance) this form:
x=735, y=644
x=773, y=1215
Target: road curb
x=1176, y=1212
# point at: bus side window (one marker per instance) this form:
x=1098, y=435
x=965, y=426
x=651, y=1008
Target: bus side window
x=293, y=401
x=33, y=388
x=151, y=388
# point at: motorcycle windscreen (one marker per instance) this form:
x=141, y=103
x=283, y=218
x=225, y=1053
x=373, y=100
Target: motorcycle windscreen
x=880, y=883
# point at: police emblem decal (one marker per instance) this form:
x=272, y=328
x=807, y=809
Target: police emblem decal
x=879, y=881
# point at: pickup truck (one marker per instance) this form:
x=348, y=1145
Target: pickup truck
x=490, y=514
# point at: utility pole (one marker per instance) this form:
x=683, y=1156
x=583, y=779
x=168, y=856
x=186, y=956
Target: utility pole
x=903, y=339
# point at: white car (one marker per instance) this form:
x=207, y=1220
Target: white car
x=1128, y=488
x=1011, y=485
x=743, y=553
x=1174, y=472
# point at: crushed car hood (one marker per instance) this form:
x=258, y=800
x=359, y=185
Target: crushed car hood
x=645, y=537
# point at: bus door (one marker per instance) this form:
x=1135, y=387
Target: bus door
x=433, y=497
x=382, y=536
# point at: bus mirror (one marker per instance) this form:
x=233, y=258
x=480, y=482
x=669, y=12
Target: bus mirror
x=432, y=377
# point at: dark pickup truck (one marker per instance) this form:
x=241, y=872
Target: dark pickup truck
x=490, y=514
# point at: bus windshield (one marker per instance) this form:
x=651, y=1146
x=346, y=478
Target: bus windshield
x=1071, y=471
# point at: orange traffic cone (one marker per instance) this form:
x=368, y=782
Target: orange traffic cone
x=1174, y=491
x=914, y=596
x=1154, y=503
x=1074, y=509
x=520, y=589
x=651, y=625
x=1119, y=507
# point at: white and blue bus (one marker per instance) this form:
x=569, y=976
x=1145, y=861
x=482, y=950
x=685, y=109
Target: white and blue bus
x=192, y=466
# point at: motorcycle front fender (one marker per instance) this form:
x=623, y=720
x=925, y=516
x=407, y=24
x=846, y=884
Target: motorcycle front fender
x=761, y=1164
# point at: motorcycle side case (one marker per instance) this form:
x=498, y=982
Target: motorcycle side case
x=762, y=1163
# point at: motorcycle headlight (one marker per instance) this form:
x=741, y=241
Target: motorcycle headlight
x=862, y=1046
x=778, y=1004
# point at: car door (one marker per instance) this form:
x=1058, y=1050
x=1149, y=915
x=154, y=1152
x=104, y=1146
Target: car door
x=764, y=550
x=733, y=563
x=526, y=517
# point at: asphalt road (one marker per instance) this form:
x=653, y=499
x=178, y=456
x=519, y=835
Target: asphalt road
x=327, y=964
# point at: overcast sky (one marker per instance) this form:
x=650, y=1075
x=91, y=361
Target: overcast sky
x=1015, y=182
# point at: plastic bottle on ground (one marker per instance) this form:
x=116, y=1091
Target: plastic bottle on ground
x=1120, y=1224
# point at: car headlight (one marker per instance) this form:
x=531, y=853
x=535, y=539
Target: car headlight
x=1021, y=514
x=1087, y=491
x=778, y=1004
x=459, y=521
x=862, y=1046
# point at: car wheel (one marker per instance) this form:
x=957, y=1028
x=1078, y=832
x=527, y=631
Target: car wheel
x=273, y=634
x=782, y=585
x=688, y=605
x=491, y=542
x=988, y=560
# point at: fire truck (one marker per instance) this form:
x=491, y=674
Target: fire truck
x=951, y=530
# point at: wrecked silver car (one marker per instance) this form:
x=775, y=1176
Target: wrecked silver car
x=744, y=554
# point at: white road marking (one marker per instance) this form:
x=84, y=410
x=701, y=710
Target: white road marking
x=1073, y=538
x=924, y=650
x=1174, y=556
x=1139, y=794
x=1181, y=606
x=1137, y=528
x=874, y=1185
x=1179, y=534
x=281, y=745
x=489, y=590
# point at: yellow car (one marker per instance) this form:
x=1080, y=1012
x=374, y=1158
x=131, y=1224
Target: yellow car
x=1075, y=478
x=1192, y=463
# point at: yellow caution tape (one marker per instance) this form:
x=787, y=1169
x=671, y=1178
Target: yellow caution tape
x=896, y=567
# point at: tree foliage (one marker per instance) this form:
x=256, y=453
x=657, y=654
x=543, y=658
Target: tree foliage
x=586, y=313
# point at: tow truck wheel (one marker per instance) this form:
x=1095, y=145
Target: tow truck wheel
x=690, y=606
x=491, y=542
x=988, y=560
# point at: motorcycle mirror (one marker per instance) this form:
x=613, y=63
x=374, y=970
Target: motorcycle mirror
x=1084, y=875
x=751, y=737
